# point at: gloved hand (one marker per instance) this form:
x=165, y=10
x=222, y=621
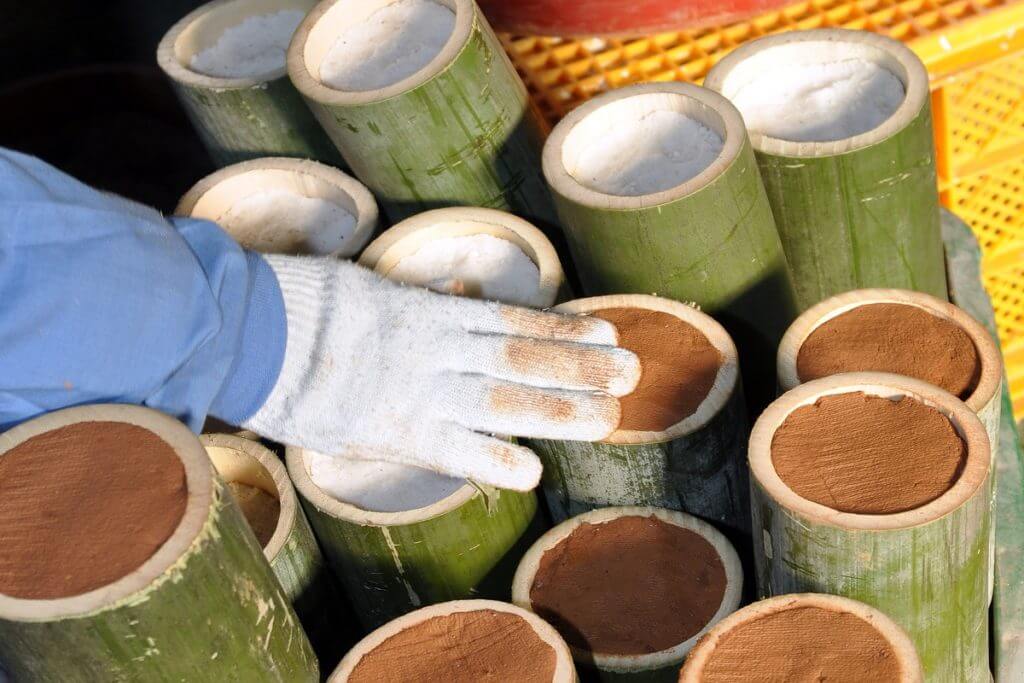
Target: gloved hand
x=375, y=370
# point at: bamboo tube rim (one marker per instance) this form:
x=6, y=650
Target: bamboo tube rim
x=964, y=420
x=298, y=470
x=726, y=380
x=189, y=36
x=564, y=670
x=991, y=375
x=522, y=582
x=318, y=31
x=890, y=54
x=254, y=464
x=214, y=195
x=703, y=105
x=134, y=586
x=897, y=638
x=411, y=234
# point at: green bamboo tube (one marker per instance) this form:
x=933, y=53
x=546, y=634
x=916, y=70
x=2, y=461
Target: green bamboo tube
x=216, y=196
x=857, y=212
x=710, y=241
x=657, y=666
x=459, y=132
x=241, y=118
x=205, y=606
x=563, y=669
x=906, y=661
x=391, y=563
x=697, y=465
x=927, y=568
x=414, y=233
x=292, y=551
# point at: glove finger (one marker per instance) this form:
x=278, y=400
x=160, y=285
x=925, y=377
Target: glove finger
x=551, y=364
x=526, y=322
x=485, y=404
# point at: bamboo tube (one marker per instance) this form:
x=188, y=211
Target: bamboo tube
x=412, y=234
x=927, y=568
x=219, y=194
x=563, y=668
x=709, y=241
x=292, y=551
x=241, y=118
x=861, y=211
x=460, y=131
x=697, y=465
x=205, y=606
x=656, y=666
x=826, y=649
x=391, y=563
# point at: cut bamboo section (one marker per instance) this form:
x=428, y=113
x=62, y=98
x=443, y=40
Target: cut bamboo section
x=459, y=132
x=391, y=563
x=927, y=568
x=697, y=465
x=241, y=118
x=563, y=673
x=292, y=551
x=205, y=606
x=907, y=662
x=710, y=241
x=861, y=211
x=412, y=234
x=214, y=197
x=656, y=666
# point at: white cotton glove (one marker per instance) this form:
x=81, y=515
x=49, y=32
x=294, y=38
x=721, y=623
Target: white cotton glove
x=379, y=371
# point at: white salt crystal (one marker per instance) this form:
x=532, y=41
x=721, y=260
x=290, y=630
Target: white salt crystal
x=481, y=266
x=820, y=102
x=379, y=486
x=389, y=45
x=283, y=222
x=254, y=47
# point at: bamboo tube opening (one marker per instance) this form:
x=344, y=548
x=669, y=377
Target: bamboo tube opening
x=202, y=28
x=970, y=477
x=525, y=582
x=285, y=218
x=317, y=34
x=763, y=60
x=386, y=252
x=534, y=647
x=802, y=636
x=240, y=460
x=134, y=585
x=569, y=169
x=726, y=379
x=990, y=371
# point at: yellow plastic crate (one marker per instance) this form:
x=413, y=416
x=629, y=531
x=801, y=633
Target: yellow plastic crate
x=974, y=51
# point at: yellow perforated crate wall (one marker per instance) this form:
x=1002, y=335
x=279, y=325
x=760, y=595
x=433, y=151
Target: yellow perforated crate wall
x=974, y=51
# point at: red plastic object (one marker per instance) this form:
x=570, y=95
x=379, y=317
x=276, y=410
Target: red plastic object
x=616, y=17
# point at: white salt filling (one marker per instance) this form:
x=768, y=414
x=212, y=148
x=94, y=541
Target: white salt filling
x=379, y=486
x=820, y=102
x=254, y=47
x=479, y=266
x=388, y=46
x=280, y=221
x=652, y=153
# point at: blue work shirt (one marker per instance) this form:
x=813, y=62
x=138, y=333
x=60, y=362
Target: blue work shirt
x=103, y=300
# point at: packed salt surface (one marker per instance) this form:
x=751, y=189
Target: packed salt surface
x=656, y=152
x=253, y=47
x=286, y=222
x=820, y=102
x=479, y=266
x=389, y=45
x=379, y=486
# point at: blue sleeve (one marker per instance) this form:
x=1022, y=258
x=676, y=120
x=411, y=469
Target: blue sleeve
x=105, y=301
